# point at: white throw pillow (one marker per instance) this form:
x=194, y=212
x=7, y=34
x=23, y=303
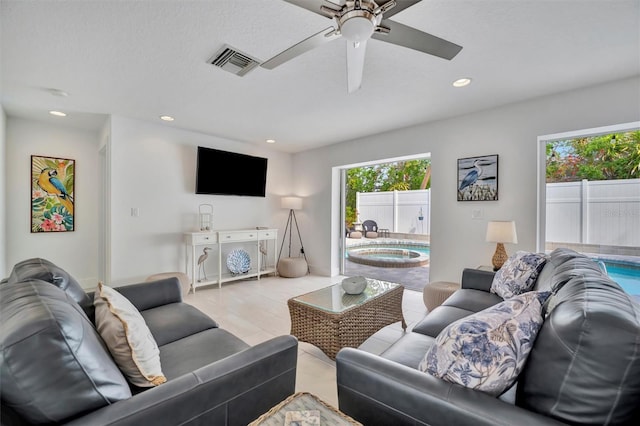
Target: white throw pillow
x=518, y=274
x=128, y=338
x=486, y=351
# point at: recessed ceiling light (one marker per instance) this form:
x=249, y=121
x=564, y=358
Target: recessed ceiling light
x=58, y=113
x=271, y=141
x=461, y=82
x=166, y=118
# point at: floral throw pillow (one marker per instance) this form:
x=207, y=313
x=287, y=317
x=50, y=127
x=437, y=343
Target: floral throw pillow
x=487, y=350
x=518, y=274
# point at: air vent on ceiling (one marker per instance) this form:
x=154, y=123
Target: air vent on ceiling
x=234, y=61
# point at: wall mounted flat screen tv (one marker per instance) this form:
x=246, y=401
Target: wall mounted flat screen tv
x=230, y=173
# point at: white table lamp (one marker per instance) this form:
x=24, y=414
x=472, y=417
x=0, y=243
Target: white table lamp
x=501, y=232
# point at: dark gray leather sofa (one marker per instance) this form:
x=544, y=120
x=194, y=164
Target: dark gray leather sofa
x=213, y=377
x=584, y=367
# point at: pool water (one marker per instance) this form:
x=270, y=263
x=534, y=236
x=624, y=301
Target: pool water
x=627, y=277
x=423, y=249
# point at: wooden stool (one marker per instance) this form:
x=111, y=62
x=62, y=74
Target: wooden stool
x=435, y=293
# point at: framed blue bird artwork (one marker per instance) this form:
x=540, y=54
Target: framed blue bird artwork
x=478, y=178
x=52, y=194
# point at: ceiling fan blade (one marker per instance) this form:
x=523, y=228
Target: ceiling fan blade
x=315, y=6
x=305, y=45
x=399, y=7
x=355, y=64
x=403, y=35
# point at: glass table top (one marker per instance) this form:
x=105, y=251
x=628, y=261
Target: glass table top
x=334, y=299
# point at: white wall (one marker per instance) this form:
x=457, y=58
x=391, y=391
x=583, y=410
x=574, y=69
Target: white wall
x=3, y=192
x=457, y=240
x=153, y=169
x=74, y=251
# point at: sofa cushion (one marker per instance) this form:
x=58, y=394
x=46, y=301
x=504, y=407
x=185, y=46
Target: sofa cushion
x=487, y=350
x=439, y=318
x=128, y=338
x=174, y=321
x=518, y=274
x=409, y=349
x=460, y=304
x=42, y=269
x=472, y=300
x=585, y=365
x=53, y=363
x=200, y=349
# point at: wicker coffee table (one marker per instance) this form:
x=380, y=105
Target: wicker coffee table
x=304, y=401
x=331, y=319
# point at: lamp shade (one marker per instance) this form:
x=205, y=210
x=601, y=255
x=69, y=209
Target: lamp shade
x=291, y=203
x=502, y=232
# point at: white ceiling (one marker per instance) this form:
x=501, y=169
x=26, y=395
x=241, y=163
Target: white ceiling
x=142, y=59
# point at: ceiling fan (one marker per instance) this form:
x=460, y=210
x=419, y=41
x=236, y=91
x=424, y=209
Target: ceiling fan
x=358, y=21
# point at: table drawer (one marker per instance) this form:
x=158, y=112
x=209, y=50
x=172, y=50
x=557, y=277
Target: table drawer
x=203, y=238
x=238, y=236
x=267, y=234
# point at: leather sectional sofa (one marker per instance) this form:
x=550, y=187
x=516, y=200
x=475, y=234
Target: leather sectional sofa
x=583, y=367
x=55, y=369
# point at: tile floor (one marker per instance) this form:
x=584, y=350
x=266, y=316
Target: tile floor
x=256, y=310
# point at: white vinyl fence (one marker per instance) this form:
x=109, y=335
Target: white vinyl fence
x=603, y=212
x=587, y=212
x=397, y=211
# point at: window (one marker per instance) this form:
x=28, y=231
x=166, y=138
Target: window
x=589, y=198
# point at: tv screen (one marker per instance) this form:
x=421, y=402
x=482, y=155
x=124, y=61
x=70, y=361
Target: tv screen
x=229, y=173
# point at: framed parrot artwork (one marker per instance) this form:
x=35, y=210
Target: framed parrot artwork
x=52, y=194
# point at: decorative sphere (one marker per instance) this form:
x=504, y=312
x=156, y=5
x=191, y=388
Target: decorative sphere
x=354, y=285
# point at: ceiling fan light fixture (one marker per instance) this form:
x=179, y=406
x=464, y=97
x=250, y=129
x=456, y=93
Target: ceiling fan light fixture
x=461, y=82
x=357, y=25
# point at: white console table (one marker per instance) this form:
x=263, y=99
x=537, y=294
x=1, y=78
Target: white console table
x=221, y=243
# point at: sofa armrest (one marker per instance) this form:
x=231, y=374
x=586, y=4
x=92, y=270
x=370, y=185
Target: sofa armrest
x=233, y=391
x=477, y=279
x=377, y=391
x=152, y=294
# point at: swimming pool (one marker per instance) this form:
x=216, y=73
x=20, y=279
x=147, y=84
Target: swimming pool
x=389, y=255
x=627, y=276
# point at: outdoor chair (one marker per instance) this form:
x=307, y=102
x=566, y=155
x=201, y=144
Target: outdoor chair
x=370, y=229
x=352, y=233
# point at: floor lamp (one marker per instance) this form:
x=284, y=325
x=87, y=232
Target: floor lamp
x=293, y=204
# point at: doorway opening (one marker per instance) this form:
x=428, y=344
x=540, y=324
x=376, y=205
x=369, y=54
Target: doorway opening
x=589, y=198
x=385, y=209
